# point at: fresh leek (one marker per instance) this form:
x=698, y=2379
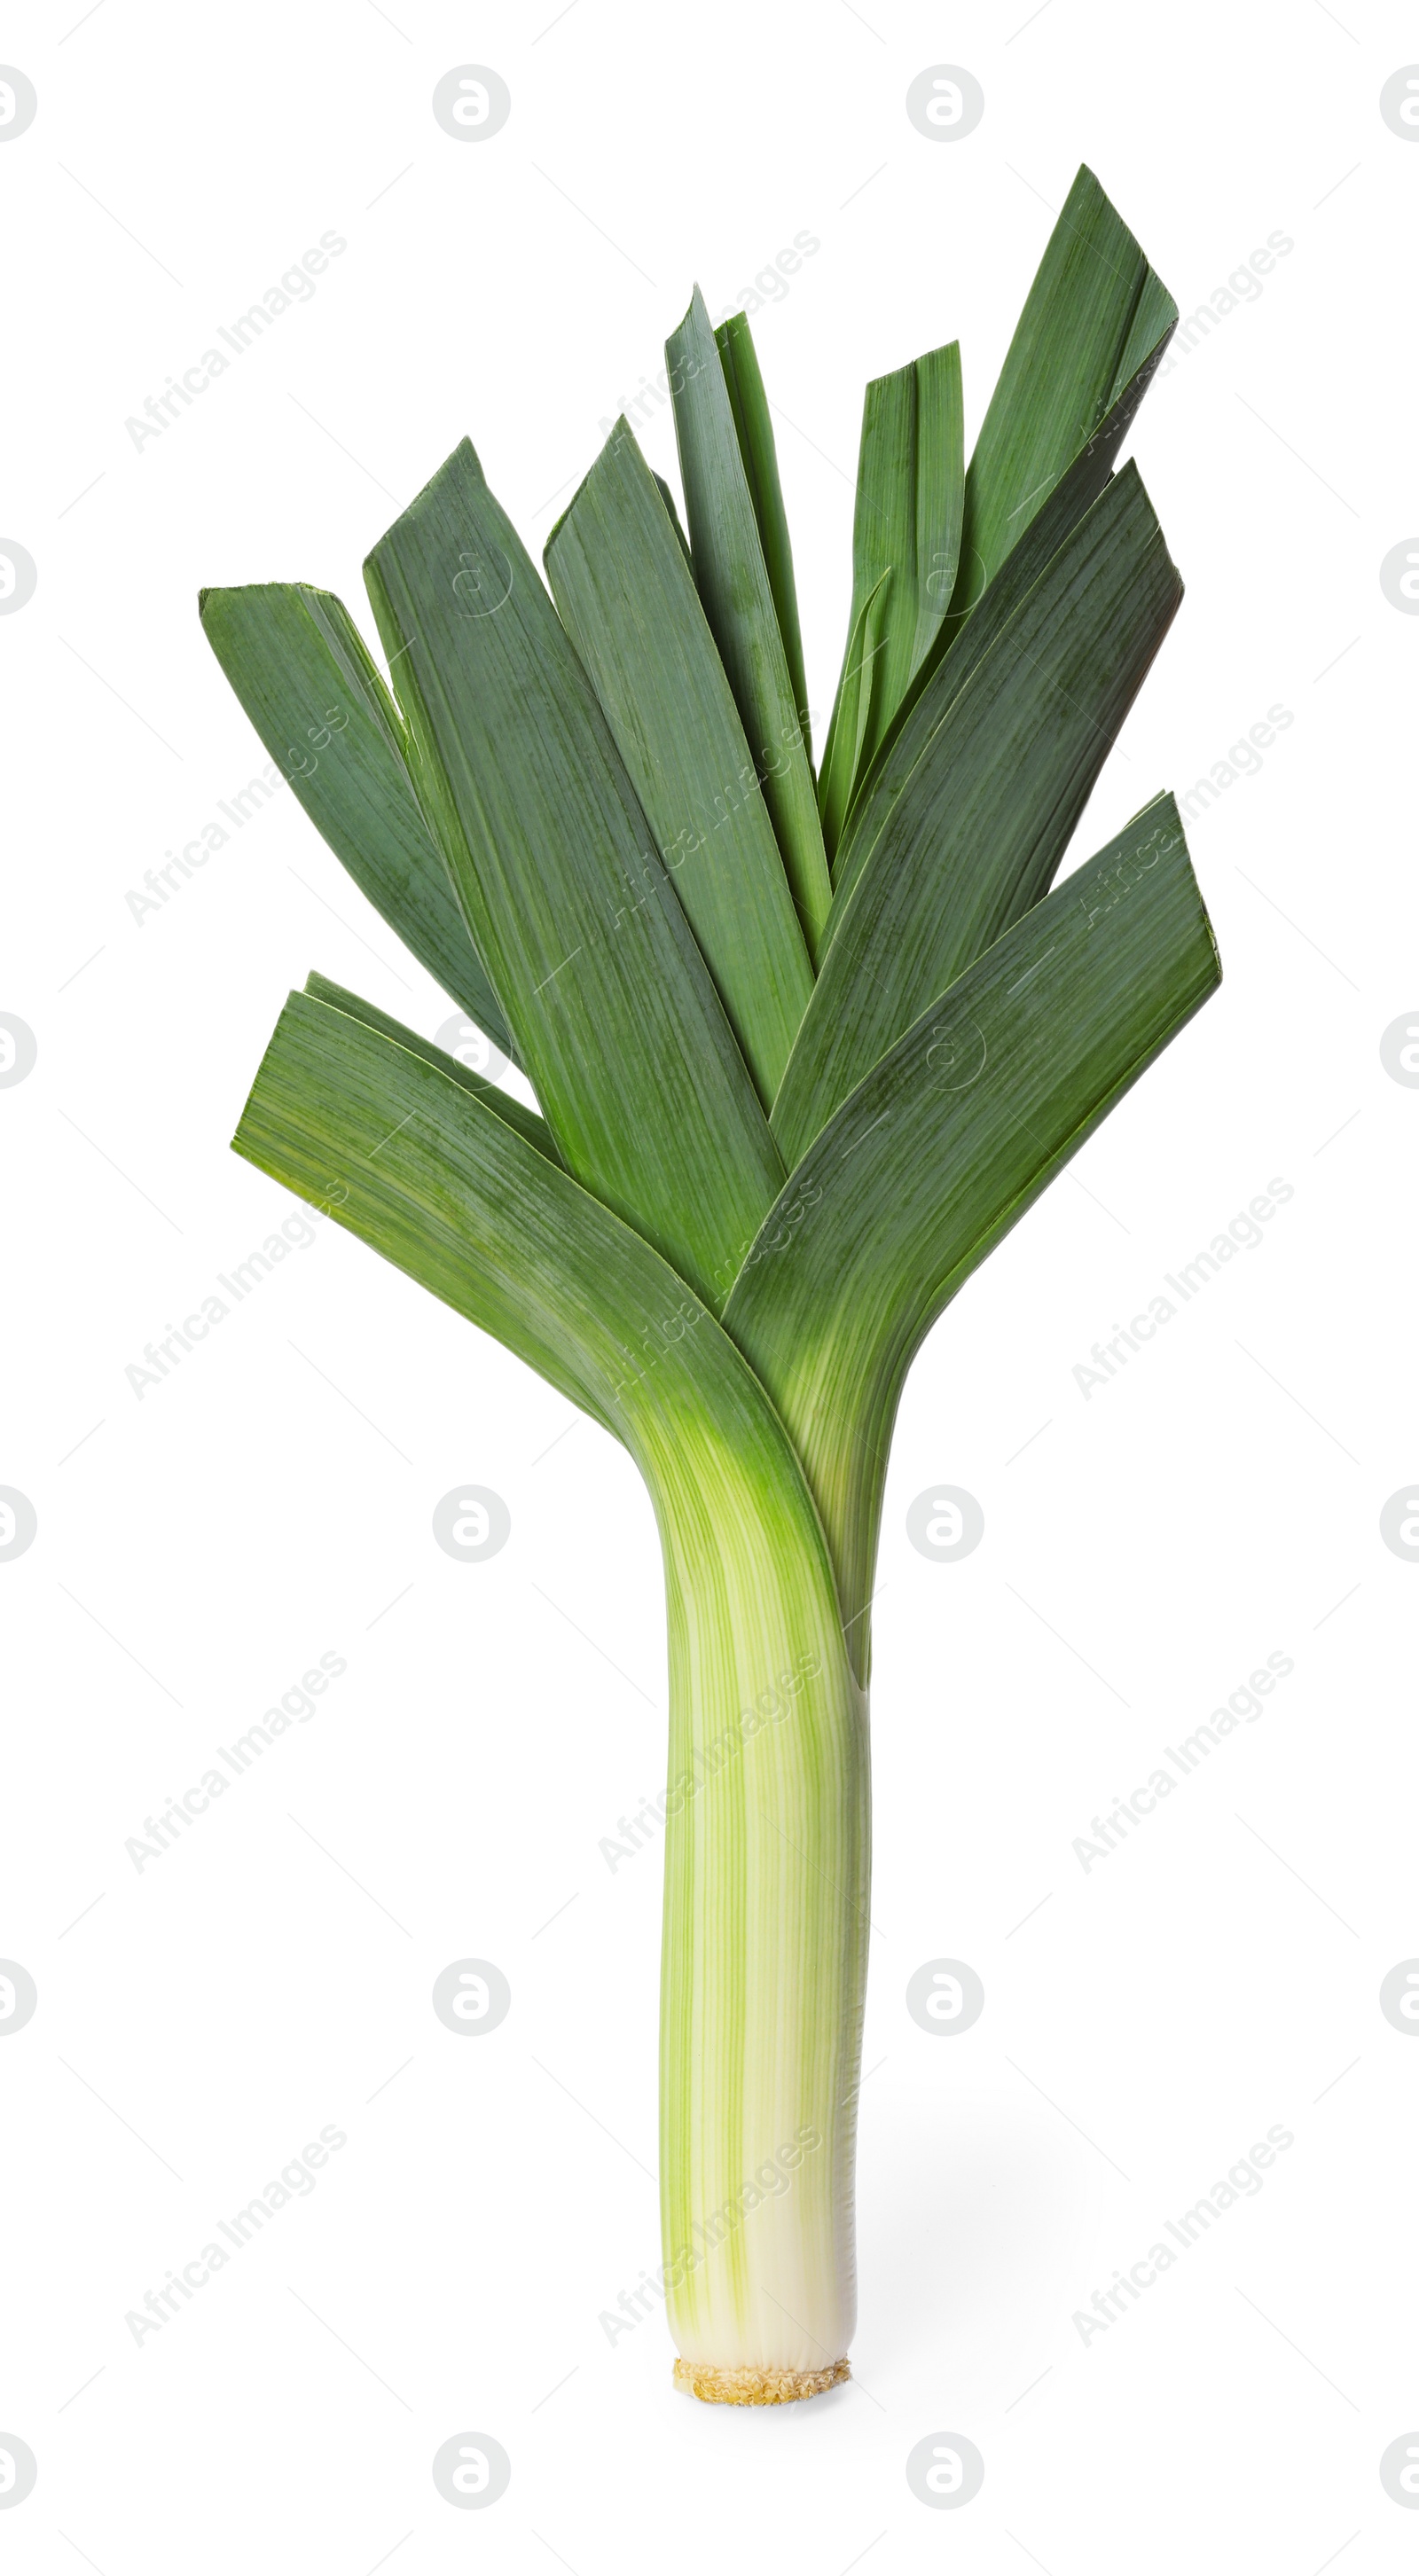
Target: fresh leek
x=803, y=1048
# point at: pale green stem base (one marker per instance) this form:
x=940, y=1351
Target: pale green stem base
x=765, y=1944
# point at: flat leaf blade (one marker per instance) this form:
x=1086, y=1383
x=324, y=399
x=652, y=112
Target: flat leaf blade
x=758, y=448
x=504, y=1104
x=984, y=818
x=617, y=1019
x=856, y=717
x=946, y=1143
x=1094, y=302
x=733, y=581
x=628, y=600
x=351, y=1114
x=971, y=628
x=298, y=664
x=907, y=517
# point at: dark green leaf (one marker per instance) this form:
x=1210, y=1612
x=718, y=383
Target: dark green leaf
x=629, y=603
x=617, y=1020
x=968, y=635
x=910, y=488
x=351, y=1113
x=946, y=1143
x=985, y=816
x=668, y=498
x=757, y=446
x=503, y=1103
x=298, y=664
x=1095, y=318
x=728, y=557
x=856, y=713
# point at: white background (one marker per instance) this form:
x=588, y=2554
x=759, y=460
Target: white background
x=270, y=1501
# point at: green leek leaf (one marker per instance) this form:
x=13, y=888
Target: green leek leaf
x=726, y=549
x=856, y=711
x=758, y=448
x=503, y=1103
x=907, y=517
x=1024, y=495
x=1095, y=320
x=984, y=818
x=946, y=1143
x=668, y=498
x=629, y=603
x=299, y=665
x=616, y=1017
x=967, y=637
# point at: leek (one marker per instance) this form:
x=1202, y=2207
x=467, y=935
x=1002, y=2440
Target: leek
x=803, y=1049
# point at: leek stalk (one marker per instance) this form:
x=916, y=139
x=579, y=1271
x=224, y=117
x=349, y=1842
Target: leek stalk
x=803, y=1048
